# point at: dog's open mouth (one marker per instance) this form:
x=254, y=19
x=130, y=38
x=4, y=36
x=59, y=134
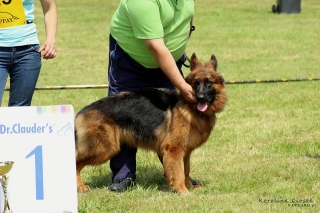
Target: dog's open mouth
x=202, y=107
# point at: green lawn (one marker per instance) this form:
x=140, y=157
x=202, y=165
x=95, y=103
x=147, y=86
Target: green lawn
x=266, y=143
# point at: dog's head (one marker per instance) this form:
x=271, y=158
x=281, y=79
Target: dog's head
x=208, y=84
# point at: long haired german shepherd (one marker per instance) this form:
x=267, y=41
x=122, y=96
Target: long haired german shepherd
x=154, y=119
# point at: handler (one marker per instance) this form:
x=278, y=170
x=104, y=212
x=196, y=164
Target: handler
x=148, y=39
x=20, y=50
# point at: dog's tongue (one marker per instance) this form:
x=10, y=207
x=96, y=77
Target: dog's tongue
x=202, y=107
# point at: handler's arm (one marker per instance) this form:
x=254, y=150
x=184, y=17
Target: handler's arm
x=168, y=66
x=51, y=23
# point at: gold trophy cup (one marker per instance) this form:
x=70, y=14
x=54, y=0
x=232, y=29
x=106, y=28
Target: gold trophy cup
x=5, y=168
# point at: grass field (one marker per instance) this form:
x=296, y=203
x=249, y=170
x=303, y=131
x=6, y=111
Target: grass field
x=266, y=144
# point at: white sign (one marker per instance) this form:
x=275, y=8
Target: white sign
x=40, y=141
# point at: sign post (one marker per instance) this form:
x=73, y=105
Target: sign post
x=39, y=141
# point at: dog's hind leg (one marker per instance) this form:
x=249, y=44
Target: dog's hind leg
x=80, y=185
x=95, y=146
x=173, y=166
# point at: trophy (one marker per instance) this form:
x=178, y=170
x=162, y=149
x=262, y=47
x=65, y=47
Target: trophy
x=5, y=168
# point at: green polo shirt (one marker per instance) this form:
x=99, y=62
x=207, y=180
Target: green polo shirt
x=136, y=20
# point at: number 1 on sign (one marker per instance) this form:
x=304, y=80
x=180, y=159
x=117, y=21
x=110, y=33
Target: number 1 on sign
x=37, y=152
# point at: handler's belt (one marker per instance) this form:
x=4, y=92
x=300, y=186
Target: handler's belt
x=12, y=13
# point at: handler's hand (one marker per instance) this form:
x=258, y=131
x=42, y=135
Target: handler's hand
x=188, y=93
x=48, y=50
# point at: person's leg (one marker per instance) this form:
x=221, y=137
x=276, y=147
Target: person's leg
x=123, y=165
x=24, y=74
x=5, y=61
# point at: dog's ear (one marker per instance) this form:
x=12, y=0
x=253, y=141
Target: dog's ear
x=193, y=62
x=219, y=78
x=214, y=62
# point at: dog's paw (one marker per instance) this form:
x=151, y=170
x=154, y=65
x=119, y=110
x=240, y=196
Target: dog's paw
x=182, y=190
x=196, y=186
x=83, y=188
x=189, y=184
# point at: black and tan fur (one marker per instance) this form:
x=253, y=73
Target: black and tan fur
x=154, y=119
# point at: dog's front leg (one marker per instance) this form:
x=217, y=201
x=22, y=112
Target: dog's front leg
x=187, y=170
x=173, y=165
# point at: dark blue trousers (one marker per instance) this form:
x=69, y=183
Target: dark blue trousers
x=125, y=74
